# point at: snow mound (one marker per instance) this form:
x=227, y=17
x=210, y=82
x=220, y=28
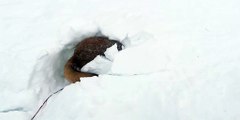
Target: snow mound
x=130, y=97
x=163, y=95
x=100, y=65
x=141, y=59
x=47, y=76
x=180, y=61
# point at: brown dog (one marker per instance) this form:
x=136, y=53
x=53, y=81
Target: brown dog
x=85, y=52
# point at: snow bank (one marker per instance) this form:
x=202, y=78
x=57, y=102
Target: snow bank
x=162, y=95
x=47, y=75
x=180, y=60
x=149, y=81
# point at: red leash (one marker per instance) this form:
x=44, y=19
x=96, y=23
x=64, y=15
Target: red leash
x=45, y=103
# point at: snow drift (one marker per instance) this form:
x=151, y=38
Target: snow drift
x=180, y=60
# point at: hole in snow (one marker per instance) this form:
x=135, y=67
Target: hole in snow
x=84, y=53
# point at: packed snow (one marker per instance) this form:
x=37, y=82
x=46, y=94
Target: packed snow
x=180, y=61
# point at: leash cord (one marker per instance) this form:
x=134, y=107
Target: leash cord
x=45, y=103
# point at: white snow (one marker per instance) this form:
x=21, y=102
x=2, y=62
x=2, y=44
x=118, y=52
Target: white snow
x=103, y=65
x=180, y=61
x=111, y=52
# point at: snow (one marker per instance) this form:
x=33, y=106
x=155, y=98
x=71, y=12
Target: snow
x=14, y=115
x=139, y=60
x=111, y=52
x=102, y=63
x=180, y=59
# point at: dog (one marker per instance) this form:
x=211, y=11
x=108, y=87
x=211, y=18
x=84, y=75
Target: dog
x=85, y=51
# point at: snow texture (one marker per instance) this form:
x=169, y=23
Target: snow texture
x=181, y=60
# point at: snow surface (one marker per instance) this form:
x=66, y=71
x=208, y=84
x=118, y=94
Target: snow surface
x=181, y=59
x=102, y=64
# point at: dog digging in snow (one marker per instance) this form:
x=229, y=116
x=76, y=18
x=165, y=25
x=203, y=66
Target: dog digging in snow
x=85, y=51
